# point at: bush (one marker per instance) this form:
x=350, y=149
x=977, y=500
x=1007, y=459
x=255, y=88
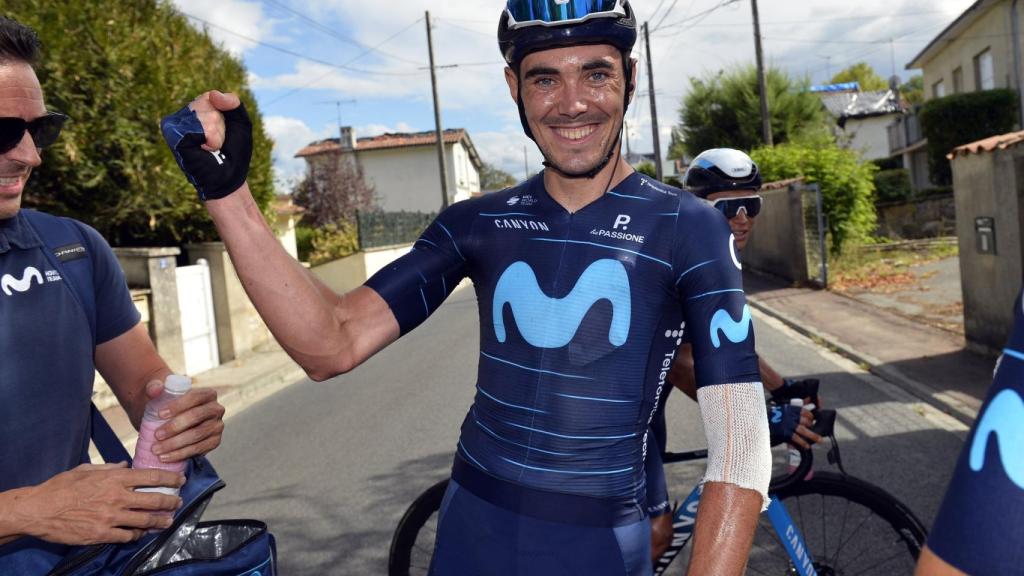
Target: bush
x=333, y=242
x=304, y=242
x=890, y=163
x=847, y=184
x=893, y=185
x=961, y=119
x=673, y=181
x=647, y=167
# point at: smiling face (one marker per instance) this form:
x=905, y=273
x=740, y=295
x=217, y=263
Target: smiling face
x=741, y=224
x=20, y=97
x=574, y=99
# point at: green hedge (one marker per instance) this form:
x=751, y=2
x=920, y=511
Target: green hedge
x=893, y=185
x=847, y=184
x=961, y=119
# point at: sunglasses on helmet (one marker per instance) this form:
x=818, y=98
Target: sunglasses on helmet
x=44, y=130
x=751, y=205
x=524, y=13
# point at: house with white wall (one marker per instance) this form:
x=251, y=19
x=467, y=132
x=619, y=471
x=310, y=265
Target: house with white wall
x=403, y=167
x=862, y=119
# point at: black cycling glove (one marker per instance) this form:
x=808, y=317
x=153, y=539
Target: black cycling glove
x=214, y=174
x=783, y=422
x=806, y=388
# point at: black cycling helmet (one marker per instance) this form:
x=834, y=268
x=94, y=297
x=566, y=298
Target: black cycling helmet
x=528, y=26
x=720, y=170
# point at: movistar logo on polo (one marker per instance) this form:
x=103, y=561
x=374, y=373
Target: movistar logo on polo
x=619, y=231
x=521, y=224
x=30, y=277
x=547, y=322
x=732, y=252
x=1004, y=418
x=524, y=200
x=735, y=331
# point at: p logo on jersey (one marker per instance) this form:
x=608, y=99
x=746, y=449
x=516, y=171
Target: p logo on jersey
x=547, y=322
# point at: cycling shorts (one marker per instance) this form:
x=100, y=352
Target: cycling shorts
x=479, y=538
x=654, y=470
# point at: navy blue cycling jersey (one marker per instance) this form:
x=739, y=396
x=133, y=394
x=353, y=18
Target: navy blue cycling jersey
x=580, y=318
x=980, y=525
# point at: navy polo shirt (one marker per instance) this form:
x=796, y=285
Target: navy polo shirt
x=46, y=352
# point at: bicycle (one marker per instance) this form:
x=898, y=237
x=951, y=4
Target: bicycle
x=791, y=548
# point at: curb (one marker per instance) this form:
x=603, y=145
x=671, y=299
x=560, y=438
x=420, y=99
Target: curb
x=940, y=400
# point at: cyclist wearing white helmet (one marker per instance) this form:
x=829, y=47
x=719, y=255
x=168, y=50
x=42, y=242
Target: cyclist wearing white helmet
x=729, y=180
x=582, y=274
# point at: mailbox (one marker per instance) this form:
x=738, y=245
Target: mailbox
x=985, y=235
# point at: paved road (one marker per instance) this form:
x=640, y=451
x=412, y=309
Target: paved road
x=332, y=466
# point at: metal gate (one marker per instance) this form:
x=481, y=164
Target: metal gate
x=198, y=327
x=815, y=234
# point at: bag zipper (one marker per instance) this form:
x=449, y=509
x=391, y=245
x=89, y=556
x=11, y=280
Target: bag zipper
x=264, y=531
x=68, y=565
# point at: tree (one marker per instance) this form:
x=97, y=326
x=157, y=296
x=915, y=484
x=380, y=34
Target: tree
x=912, y=90
x=493, y=178
x=334, y=189
x=116, y=68
x=863, y=74
x=647, y=167
x=847, y=183
x=724, y=110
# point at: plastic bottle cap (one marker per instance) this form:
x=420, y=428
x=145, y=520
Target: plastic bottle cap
x=796, y=402
x=177, y=383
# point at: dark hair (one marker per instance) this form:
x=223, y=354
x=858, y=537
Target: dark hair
x=18, y=43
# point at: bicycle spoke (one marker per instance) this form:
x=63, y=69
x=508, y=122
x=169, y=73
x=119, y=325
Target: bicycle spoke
x=775, y=537
x=834, y=560
x=870, y=569
x=824, y=527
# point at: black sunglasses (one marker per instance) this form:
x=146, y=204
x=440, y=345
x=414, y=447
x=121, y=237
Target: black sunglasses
x=732, y=206
x=44, y=130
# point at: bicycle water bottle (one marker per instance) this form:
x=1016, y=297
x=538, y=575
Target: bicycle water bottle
x=175, y=386
x=794, y=452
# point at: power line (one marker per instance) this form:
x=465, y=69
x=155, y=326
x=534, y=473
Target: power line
x=330, y=32
x=701, y=15
x=815, y=20
x=358, y=56
x=297, y=55
x=667, y=12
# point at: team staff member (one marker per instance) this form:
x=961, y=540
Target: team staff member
x=576, y=272
x=980, y=524
x=48, y=498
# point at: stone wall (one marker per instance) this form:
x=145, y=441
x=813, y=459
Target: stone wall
x=924, y=218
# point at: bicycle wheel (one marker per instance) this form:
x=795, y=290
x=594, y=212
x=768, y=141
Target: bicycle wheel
x=412, y=545
x=849, y=527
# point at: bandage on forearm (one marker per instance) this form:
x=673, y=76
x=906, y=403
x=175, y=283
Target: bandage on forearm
x=736, y=427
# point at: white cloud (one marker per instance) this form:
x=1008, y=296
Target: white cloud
x=243, y=18
x=290, y=135
x=378, y=129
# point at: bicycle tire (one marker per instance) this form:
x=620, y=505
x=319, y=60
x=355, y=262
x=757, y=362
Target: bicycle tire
x=410, y=541
x=890, y=547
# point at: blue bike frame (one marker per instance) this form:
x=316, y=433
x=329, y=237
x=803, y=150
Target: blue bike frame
x=685, y=516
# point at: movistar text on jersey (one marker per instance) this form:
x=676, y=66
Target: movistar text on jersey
x=616, y=235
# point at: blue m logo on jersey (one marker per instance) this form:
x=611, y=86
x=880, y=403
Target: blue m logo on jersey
x=735, y=331
x=1004, y=418
x=548, y=322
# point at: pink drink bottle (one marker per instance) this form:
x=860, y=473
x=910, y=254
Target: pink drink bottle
x=175, y=386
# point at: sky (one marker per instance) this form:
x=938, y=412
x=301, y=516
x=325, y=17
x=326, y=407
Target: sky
x=315, y=65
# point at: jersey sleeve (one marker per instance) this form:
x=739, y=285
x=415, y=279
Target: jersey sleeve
x=981, y=520
x=115, y=311
x=418, y=283
x=709, y=285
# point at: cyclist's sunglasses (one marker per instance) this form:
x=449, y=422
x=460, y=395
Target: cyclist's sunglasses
x=559, y=12
x=44, y=130
x=732, y=206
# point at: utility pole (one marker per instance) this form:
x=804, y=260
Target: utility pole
x=625, y=131
x=766, y=123
x=437, y=119
x=654, y=106
x=526, y=164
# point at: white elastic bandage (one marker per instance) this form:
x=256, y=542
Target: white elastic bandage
x=736, y=426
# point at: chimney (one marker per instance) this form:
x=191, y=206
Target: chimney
x=348, y=138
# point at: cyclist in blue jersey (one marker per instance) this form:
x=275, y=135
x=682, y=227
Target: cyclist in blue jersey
x=981, y=520
x=582, y=274
x=730, y=181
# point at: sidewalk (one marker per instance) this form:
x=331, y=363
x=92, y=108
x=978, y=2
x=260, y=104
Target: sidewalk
x=924, y=360
x=239, y=384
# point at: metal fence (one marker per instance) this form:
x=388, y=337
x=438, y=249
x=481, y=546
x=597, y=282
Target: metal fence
x=815, y=234
x=380, y=229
